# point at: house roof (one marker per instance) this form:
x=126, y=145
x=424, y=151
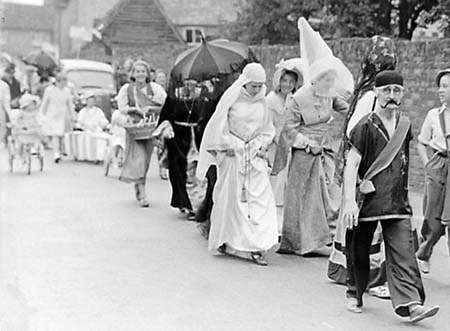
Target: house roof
x=120, y=5
x=19, y=16
x=186, y=12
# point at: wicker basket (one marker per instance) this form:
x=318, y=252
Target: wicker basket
x=142, y=131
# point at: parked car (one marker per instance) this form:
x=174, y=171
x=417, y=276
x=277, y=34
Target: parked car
x=91, y=77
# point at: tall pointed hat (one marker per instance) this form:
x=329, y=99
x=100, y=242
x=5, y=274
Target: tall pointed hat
x=319, y=58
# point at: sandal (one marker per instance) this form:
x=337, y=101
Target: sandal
x=352, y=305
x=381, y=292
x=258, y=258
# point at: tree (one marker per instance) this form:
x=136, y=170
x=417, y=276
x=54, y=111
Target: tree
x=364, y=18
x=440, y=13
x=408, y=14
x=273, y=21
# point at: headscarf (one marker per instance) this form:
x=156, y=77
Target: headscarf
x=296, y=65
x=216, y=136
x=380, y=55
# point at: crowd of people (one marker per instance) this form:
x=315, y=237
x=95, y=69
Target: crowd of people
x=257, y=169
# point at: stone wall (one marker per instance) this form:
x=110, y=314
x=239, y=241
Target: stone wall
x=162, y=57
x=419, y=63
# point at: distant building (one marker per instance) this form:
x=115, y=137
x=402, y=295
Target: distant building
x=140, y=23
x=202, y=17
x=187, y=19
x=24, y=28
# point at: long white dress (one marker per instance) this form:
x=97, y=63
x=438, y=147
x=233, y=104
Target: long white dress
x=57, y=108
x=244, y=213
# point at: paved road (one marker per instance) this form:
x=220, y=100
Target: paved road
x=78, y=254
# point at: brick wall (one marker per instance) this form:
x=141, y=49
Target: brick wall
x=419, y=63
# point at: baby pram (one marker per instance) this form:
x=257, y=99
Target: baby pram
x=24, y=144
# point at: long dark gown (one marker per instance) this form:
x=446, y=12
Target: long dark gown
x=184, y=111
x=204, y=210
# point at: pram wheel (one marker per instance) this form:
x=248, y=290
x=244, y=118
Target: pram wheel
x=11, y=163
x=28, y=162
x=107, y=165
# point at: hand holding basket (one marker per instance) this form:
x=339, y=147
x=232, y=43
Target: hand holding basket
x=143, y=130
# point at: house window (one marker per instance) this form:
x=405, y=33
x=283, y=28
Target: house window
x=194, y=35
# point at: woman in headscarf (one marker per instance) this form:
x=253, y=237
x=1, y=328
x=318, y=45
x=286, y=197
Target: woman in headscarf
x=379, y=56
x=311, y=194
x=180, y=113
x=236, y=139
x=135, y=99
x=288, y=77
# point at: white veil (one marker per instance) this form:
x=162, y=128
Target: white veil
x=216, y=136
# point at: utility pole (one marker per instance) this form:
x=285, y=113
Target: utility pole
x=60, y=6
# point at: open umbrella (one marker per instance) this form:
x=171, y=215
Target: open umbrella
x=208, y=59
x=41, y=60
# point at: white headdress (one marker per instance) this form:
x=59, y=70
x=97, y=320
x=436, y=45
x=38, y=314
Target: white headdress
x=320, y=58
x=216, y=136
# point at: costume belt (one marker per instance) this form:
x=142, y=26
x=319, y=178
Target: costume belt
x=186, y=124
x=440, y=153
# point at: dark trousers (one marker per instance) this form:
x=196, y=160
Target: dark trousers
x=403, y=275
x=205, y=208
x=377, y=275
x=433, y=204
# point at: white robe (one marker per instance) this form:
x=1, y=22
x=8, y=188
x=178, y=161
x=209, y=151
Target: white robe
x=251, y=225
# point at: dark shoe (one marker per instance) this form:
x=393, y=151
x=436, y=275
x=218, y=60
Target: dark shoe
x=57, y=159
x=143, y=203
x=422, y=312
x=190, y=216
x=222, y=249
x=284, y=251
x=258, y=258
x=163, y=173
